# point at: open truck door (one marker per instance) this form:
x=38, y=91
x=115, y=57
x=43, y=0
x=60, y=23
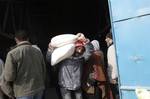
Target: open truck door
x=130, y=21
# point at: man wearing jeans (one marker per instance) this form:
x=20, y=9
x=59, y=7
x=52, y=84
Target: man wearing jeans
x=70, y=70
x=24, y=72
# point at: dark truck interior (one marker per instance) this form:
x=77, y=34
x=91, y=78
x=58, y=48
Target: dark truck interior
x=47, y=18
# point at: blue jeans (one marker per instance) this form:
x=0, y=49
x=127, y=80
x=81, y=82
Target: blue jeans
x=35, y=96
x=66, y=94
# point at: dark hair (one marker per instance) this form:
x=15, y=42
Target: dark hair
x=109, y=35
x=22, y=35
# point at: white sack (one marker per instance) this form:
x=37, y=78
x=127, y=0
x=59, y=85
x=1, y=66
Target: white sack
x=62, y=53
x=63, y=39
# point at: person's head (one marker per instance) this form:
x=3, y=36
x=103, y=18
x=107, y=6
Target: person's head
x=79, y=50
x=109, y=39
x=20, y=36
x=96, y=45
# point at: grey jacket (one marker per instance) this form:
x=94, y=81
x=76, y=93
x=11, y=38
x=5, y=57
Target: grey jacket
x=70, y=70
x=1, y=69
x=25, y=69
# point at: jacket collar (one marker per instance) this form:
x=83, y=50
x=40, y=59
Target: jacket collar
x=21, y=43
x=24, y=43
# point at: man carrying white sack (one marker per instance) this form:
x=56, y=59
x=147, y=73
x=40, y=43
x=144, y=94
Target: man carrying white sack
x=70, y=69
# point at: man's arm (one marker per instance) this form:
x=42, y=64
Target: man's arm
x=112, y=64
x=49, y=53
x=10, y=68
x=8, y=76
x=88, y=51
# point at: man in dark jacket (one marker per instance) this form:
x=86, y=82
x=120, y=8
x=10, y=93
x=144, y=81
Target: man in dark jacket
x=24, y=72
x=70, y=70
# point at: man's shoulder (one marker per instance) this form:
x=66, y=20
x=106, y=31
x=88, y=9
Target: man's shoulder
x=111, y=47
x=13, y=50
x=18, y=49
x=98, y=52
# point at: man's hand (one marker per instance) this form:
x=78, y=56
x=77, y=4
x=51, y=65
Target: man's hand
x=113, y=81
x=81, y=37
x=50, y=47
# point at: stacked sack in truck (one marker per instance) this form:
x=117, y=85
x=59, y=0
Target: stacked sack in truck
x=64, y=45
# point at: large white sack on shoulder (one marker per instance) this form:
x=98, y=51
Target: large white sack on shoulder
x=62, y=53
x=63, y=39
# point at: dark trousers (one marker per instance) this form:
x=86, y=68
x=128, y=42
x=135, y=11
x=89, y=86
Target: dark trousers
x=115, y=90
x=71, y=94
x=96, y=95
